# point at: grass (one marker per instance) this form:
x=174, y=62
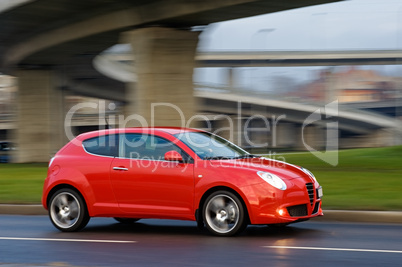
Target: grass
x=364, y=179
x=22, y=183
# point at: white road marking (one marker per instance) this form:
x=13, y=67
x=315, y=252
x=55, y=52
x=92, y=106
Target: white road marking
x=65, y=240
x=336, y=249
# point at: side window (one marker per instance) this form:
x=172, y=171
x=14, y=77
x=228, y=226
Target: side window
x=132, y=146
x=147, y=147
x=105, y=145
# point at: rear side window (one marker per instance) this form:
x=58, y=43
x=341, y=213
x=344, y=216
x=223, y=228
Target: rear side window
x=105, y=145
x=147, y=147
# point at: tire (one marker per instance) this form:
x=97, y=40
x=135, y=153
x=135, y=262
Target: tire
x=126, y=220
x=224, y=214
x=68, y=211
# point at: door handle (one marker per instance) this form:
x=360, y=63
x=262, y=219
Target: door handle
x=120, y=169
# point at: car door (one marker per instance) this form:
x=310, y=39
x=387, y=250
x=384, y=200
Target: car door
x=95, y=164
x=145, y=184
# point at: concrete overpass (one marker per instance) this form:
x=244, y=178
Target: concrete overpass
x=279, y=124
x=352, y=120
x=50, y=45
x=361, y=128
x=122, y=65
x=390, y=107
x=299, y=58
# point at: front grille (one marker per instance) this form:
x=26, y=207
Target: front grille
x=310, y=191
x=298, y=210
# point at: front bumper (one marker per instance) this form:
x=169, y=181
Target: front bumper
x=299, y=202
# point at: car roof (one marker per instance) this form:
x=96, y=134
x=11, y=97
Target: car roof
x=144, y=130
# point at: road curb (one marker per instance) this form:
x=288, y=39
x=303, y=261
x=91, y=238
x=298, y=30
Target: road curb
x=361, y=216
x=329, y=215
x=15, y=209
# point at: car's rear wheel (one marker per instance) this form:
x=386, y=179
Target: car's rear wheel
x=224, y=214
x=67, y=210
x=126, y=220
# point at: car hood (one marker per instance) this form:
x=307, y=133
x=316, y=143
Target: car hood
x=279, y=168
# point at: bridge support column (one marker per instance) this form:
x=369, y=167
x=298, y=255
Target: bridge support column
x=39, y=132
x=285, y=135
x=164, y=64
x=238, y=131
x=311, y=137
x=231, y=128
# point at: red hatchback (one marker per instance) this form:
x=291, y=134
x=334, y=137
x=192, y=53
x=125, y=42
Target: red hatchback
x=174, y=173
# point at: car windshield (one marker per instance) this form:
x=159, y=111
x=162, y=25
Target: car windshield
x=209, y=146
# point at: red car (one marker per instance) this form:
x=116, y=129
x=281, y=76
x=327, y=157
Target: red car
x=174, y=173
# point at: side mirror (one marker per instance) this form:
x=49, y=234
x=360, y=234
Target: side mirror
x=173, y=156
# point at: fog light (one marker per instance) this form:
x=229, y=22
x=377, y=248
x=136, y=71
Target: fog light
x=281, y=212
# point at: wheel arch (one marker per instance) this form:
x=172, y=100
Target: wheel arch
x=62, y=186
x=207, y=193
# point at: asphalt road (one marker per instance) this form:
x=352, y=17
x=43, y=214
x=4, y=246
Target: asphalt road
x=33, y=241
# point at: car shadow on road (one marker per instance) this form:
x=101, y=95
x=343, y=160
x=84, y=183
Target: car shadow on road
x=184, y=228
x=289, y=231
x=144, y=228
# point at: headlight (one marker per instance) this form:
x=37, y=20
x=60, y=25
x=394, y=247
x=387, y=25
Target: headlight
x=273, y=180
x=309, y=173
x=50, y=162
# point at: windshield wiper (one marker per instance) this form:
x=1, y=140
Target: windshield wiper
x=246, y=156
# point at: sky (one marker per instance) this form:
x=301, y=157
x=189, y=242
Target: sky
x=346, y=25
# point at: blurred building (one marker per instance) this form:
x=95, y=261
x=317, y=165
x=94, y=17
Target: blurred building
x=8, y=91
x=351, y=84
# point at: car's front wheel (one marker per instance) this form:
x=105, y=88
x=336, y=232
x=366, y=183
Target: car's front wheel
x=224, y=214
x=67, y=210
